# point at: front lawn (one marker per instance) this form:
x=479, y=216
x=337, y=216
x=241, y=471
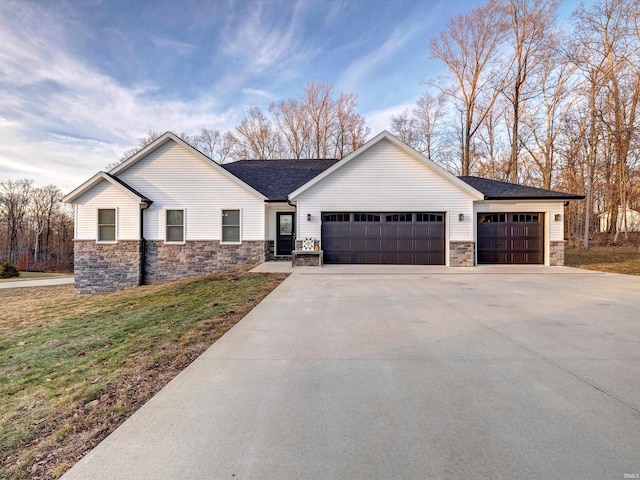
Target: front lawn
x=613, y=259
x=73, y=368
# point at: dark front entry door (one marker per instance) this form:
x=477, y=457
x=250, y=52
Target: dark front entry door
x=285, y=234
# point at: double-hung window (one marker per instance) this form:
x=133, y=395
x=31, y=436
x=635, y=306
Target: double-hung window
x=106, y=224
x=175, y=226
x=230, y=226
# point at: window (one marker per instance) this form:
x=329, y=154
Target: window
x=399, y=217
x=366, y=217
x=106, y=224
x=492, y=218
x=336, y=217
x=524, y=217
x=429, y=217
x=231, y=226
x=175, y=226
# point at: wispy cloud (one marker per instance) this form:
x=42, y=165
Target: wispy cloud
x=379, y=120
x=260, y=93
x=364, y=65
x=61, y=115
x=173, y=46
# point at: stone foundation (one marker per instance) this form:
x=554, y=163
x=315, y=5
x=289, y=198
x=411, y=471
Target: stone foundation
x=101, y=268
x=270, y=250
x=462, y=254
x=170, y=262
x=556, y=254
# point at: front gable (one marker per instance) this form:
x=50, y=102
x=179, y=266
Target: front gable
x=384, y=177
x=179, y=177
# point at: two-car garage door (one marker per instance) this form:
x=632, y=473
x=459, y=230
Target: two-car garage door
x=407, y=238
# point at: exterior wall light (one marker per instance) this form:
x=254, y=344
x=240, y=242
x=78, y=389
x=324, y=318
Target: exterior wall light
x=308, y=217
x=461, y=217
x=558, y=217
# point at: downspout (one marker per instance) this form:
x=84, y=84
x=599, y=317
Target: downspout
x=143, y=249
x=295, y=223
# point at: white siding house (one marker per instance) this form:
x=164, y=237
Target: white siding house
x=170, y=212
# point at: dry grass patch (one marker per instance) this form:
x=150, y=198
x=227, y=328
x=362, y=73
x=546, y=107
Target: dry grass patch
x=613, y=259
x=73, y=368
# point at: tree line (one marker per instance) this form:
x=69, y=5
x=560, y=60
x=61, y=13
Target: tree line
x=36, y=230
x=529, y=100
x=524, y=99
x=317, y=124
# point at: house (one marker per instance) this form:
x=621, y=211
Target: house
x=169, y=212
x=633, y=221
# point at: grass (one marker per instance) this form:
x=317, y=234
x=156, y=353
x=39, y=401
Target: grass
x=613, y=259
x=73, y=368
x=34, y=276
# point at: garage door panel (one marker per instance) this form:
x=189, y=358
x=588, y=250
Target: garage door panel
x=514, y=240
x=383, y=242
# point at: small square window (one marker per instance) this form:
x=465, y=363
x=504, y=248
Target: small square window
x=231, y=226
x=175, y=226
x=107, y=225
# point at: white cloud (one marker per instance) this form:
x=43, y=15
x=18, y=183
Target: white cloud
x=174, y=46
x=379, y=120
x=358, y=70
x=63, y=120
x=260, y=93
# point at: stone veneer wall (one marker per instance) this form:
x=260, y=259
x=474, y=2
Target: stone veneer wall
x=101, y=268
x=270, y=250
x=462, y=254
x=556, y=254
x=170, y=262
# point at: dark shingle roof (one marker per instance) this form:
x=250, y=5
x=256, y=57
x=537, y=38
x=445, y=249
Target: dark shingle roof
x=131, y=189
x=276, y=179
x=495, y=190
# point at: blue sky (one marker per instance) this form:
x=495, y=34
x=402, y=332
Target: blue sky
x=81, y=81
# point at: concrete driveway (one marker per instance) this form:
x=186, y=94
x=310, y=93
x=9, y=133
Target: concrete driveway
x=404, y=372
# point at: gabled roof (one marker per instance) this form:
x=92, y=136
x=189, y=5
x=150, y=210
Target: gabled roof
x=386, y=136
x=102, y=176
x=167, y=137
x=276, y=179
x=496, y=190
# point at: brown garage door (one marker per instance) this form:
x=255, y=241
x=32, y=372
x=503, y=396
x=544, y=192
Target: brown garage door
x=510, y=238
x=408, y=238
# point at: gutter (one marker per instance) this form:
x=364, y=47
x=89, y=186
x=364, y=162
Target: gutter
x=295, y=226
x=143, y=250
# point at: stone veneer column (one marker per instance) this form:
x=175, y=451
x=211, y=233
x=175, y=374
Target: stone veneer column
x=462, y=254
x=102, y=267
x=196, y=257
x=556, y=254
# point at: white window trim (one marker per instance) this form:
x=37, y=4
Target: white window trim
x=239, y=242
x=106, y=242
x=184, y=225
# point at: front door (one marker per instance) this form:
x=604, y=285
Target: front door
x=285, y=234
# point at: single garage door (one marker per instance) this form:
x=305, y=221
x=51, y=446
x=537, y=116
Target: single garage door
x=407, y=238
x=510, y=238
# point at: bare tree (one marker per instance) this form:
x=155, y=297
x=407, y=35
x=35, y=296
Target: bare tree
x=44, y=202
x=294, y=124
x=419, y=128
x=530, y=38
x=319, y=107
x=14, y=204
x=469, y=48
x=256, y=138
x=212, y=143
x=545, y=118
